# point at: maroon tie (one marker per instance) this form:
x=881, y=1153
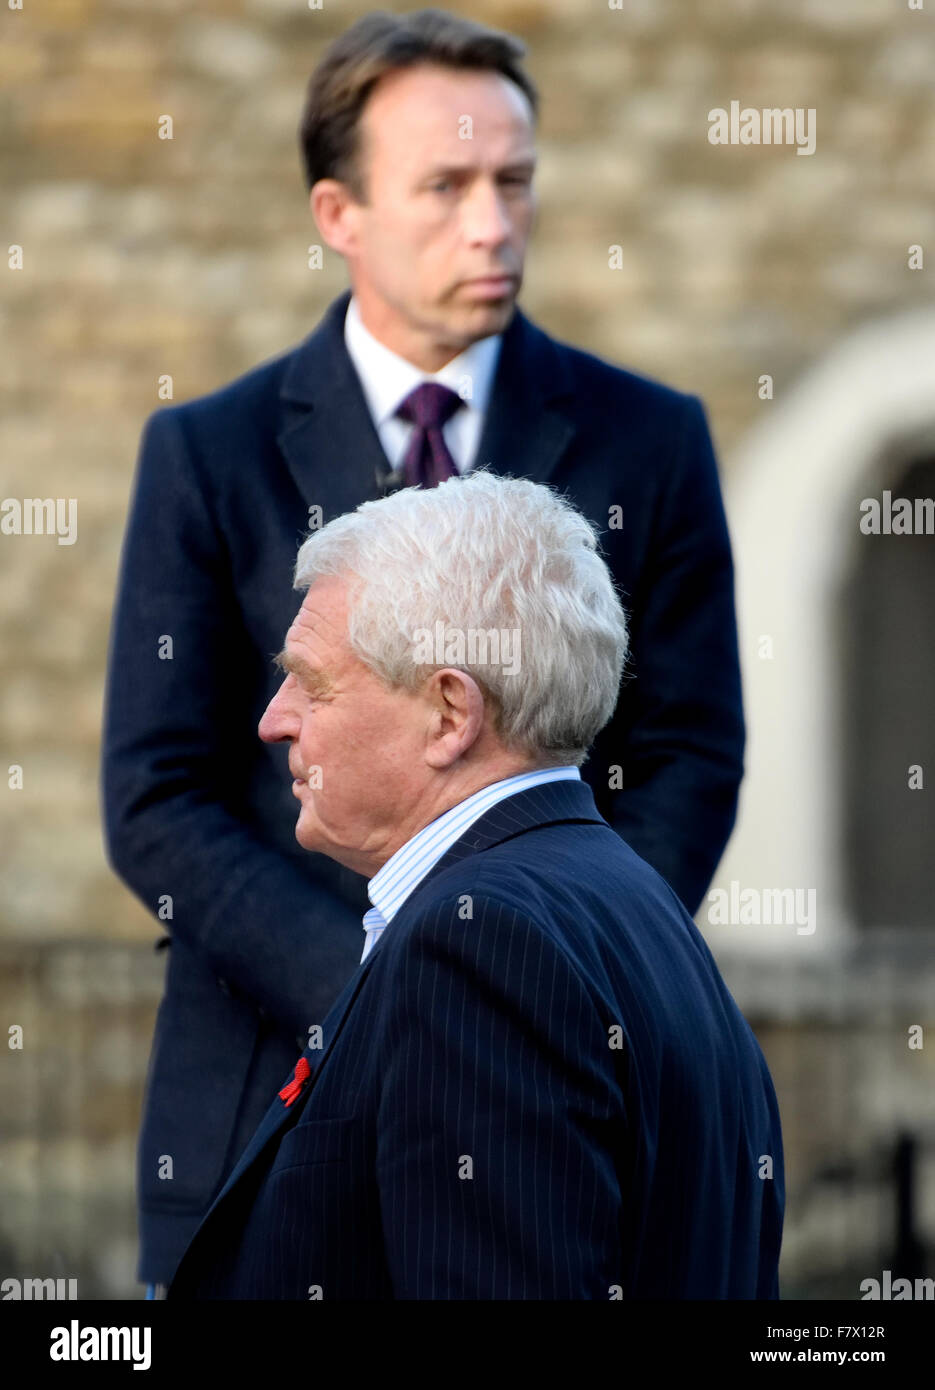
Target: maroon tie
x=428, y=462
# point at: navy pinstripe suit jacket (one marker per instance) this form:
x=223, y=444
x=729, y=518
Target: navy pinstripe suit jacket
x=537, y=1086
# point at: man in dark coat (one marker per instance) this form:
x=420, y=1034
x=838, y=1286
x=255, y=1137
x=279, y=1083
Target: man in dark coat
x=536, y=1084
x=418, y=141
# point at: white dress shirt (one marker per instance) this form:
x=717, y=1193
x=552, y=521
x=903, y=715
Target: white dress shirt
x=403, y=871
x=387, y=380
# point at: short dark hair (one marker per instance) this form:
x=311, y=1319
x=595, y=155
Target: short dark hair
x=329, y=132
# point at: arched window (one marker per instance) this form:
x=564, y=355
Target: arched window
x=837, y=635
x=887, y=620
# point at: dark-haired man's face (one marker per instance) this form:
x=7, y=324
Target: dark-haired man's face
x=447, y=161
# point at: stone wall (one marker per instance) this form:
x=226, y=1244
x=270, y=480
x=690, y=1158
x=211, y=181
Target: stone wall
x=144, y=256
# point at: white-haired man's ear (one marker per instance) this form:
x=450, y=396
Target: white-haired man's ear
x=457, y=712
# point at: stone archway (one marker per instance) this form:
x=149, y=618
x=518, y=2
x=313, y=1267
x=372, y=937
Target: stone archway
x=887, y=619
x=845, y=431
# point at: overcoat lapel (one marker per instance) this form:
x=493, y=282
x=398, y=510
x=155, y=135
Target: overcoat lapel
x=333, y=451
x=280, y=1115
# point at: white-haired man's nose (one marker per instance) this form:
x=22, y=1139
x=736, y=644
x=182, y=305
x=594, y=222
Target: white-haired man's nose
x=274, y=723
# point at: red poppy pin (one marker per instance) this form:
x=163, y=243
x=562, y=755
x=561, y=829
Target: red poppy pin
x=292, y=1088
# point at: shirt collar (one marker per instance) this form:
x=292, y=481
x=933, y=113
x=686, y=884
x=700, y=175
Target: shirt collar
x=392, y=884
x=387, y=378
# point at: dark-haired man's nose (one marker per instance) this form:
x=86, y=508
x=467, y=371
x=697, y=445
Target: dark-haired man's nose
x=487, y=221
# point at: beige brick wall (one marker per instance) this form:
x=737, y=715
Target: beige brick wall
x=144, y=256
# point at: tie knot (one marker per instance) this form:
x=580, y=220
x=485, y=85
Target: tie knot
x=429, y=405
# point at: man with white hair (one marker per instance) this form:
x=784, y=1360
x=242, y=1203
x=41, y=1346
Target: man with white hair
x=536, y=1085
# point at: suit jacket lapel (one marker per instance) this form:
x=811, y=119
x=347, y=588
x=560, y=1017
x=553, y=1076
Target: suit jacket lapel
x=548, y=804
x=334, y=453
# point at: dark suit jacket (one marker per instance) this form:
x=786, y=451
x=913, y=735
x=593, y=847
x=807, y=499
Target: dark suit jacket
x=537, y=1086
x=199, y=816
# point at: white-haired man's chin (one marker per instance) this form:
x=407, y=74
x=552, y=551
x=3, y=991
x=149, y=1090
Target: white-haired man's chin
x=309, y=836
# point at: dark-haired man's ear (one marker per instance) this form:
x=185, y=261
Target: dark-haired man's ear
x=333, y=210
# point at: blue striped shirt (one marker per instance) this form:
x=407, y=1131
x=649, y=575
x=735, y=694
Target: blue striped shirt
x=403, y=871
